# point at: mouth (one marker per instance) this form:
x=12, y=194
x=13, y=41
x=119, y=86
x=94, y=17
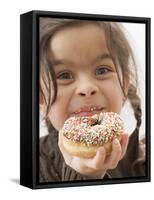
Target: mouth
x=88, y=111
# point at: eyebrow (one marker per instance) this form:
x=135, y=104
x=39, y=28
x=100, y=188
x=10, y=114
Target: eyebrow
x=103, y=57
x=60, y=61
x=64, y=61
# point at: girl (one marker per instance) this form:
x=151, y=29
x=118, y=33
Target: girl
x=86, y=64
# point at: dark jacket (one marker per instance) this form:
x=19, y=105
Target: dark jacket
x=53, y=167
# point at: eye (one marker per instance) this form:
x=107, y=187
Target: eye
x=102, y=70
x=65, y=76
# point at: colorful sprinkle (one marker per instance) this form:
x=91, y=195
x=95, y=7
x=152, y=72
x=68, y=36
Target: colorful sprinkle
x=95, y=130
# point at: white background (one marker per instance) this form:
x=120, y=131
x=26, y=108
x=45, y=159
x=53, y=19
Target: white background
x=9, y=99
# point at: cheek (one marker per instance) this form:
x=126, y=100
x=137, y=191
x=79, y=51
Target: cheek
x=58, y=112
x=56, y=117
x=114, y=95
x=116, y=102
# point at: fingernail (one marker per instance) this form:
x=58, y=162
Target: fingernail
x=116, y=141
x=101, y=149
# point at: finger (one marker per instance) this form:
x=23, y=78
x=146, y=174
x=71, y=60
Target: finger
x=67, y=157
x=59, y=138
x=98, y=160
x=115, y=154
x=124, y=144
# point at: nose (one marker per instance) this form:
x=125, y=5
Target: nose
x=87, y=89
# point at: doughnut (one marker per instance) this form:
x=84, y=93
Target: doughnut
x=82, y=136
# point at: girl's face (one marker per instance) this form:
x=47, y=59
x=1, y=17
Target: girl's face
x=86, y=75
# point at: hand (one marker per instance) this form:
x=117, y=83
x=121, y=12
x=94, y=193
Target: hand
x=97, y=166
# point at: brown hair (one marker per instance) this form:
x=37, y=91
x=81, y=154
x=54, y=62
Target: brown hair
x=118, y=46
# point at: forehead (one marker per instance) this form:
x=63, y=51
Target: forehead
x=79, y=43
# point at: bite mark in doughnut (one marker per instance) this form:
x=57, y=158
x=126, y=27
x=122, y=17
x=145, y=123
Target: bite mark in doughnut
x=82, y=136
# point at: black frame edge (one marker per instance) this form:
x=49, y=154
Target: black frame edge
x=120, y=18
x=148, y=96
x=90, y=16
x=26, y=175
